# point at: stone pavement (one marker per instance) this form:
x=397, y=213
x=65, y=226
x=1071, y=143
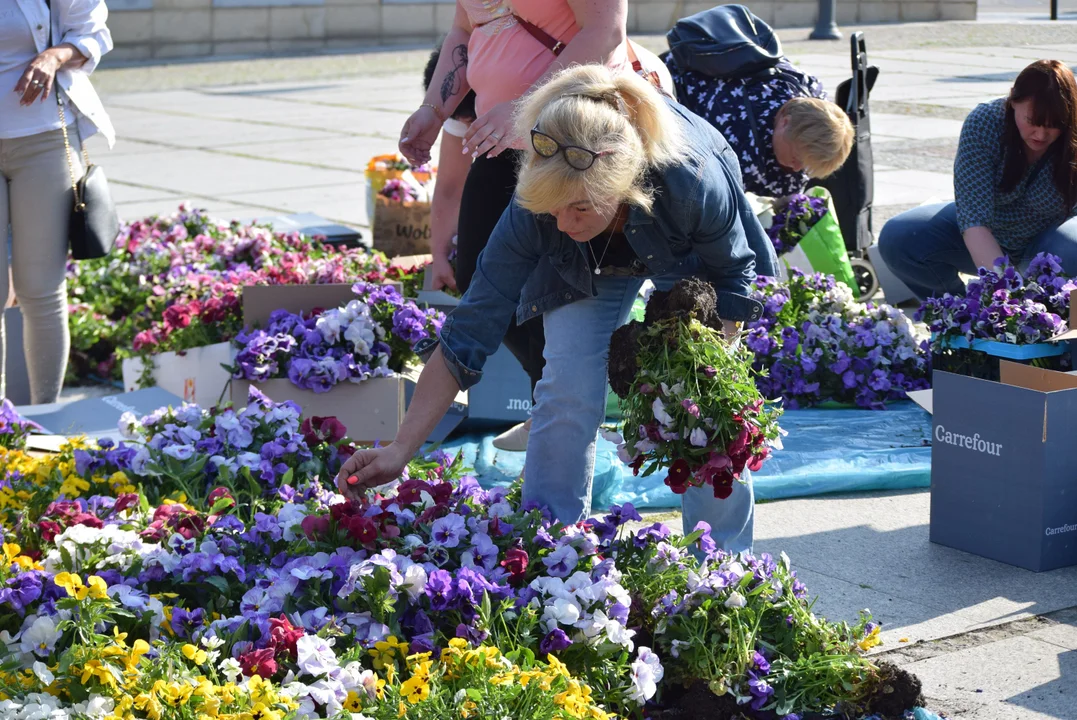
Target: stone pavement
x=249, y=137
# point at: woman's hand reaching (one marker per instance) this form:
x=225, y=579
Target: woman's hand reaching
x=370, y=468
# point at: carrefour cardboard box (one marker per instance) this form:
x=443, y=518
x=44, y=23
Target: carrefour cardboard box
x=503, y=396
x=372, y=410
x=1004, y=465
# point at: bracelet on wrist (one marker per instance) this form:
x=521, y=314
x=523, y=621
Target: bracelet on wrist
x=436, y=111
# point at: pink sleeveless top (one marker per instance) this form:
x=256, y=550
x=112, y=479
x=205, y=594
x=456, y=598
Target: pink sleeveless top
x=504, y=60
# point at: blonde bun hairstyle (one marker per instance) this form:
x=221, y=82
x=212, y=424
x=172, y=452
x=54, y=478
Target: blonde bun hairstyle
x=589, y=106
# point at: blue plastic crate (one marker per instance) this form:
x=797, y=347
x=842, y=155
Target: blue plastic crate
x=1010, y=351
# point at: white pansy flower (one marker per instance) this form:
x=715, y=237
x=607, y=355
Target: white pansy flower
x=43, y=673
x=40, y=637
x=230, y=669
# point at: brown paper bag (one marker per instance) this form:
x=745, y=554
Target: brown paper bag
x=401, y=228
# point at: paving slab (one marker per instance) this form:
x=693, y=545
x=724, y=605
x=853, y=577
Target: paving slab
x=1020, y=678
x=1062, y=631
x=124, y=146
x=904, y=621
x=343, y=203
x=913, y=128
x=878, y=546
x=193, y=129
x=343, y=152
x=223, y=210
x=123, y=193
x=193, y=171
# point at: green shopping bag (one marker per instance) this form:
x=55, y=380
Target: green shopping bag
x=822, y=249
x=613, y=403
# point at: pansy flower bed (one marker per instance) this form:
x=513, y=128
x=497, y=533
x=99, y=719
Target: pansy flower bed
x=372, y=336
x=14, y=429
x=1001, y=306
x=205, y=568
x=174, y=283
x=815, y=344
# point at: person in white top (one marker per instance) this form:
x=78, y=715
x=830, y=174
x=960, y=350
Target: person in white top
x=46, y=53
x=453, y=166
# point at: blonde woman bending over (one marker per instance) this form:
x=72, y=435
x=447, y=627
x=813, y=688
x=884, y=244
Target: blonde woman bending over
x=618, y=185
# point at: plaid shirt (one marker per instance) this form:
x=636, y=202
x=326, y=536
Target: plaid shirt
x=1017, y=217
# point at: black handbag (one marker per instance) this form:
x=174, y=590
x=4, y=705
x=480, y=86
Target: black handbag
x=727, y=41
x=94, y=224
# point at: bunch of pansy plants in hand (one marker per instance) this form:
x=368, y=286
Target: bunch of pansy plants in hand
x=689, y=398
x=185, y=573
x=14, y=428
x=1003, y=305
x=372, y=336
x=793, y=218
x=175, y=283
x=815, y=344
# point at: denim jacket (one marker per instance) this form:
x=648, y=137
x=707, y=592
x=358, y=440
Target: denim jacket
x=530, y=267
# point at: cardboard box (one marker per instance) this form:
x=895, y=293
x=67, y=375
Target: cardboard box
x=401, y=228
x=261, y=301
x=503, y=396
x=197, y=375
x=372, y=410
x=1003, y=465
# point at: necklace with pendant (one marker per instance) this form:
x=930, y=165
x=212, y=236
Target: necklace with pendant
x=609, y=239
x=598, y=260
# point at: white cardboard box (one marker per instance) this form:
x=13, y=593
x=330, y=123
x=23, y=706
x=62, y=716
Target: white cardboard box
x=196, y=375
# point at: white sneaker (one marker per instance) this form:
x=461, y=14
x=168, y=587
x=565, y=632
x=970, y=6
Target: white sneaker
x=514, y=439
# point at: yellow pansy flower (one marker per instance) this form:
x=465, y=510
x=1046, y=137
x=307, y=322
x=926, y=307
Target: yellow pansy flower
x=871, y=639
x=193, y=653
x=416, y=689
x=148, y=703
x=72, y=584
x=384, y=651
x=176, y=694
x=97, y=587
x=556, y=666
x=95, y=669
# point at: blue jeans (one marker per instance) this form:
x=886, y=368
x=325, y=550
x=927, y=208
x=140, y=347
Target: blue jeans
x=925, y=249
x=570, y=405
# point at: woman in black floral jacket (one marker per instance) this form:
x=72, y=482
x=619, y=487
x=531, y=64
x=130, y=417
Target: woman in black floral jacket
x=781, y=125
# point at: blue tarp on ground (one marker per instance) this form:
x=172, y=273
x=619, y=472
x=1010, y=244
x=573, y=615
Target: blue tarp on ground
x=825, y=451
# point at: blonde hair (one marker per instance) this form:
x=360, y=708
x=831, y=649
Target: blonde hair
x=589, y=106
x=821, y=132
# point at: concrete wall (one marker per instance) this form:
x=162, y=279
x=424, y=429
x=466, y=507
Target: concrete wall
x=145, y=29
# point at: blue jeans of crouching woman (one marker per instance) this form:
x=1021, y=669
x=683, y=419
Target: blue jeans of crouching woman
x=570, y=405
x=925, y=249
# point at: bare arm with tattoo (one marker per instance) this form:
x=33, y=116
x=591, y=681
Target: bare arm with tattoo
x=448, y=87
